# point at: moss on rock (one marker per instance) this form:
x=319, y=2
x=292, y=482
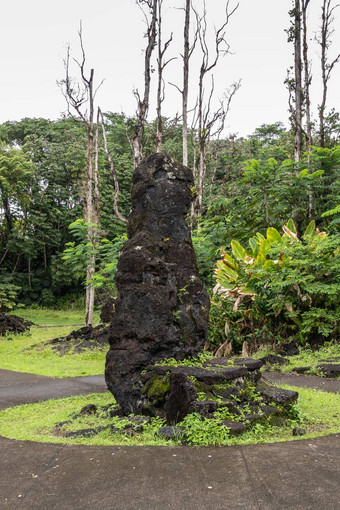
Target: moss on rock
x=157, y=387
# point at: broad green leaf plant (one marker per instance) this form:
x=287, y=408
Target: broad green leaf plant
x=281, y=286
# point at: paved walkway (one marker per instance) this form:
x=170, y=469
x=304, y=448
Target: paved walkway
x=300, y=475
x=304, y=381
x=20, y=388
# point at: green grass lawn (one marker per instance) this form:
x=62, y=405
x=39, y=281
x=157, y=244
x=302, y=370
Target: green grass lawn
x=37, y=422
x=14, y=356
x=306, y=358
x=310, y=358
x=49, y=317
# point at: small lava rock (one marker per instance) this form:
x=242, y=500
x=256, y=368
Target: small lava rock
x=171, y=432
x=298, y=432
x=273, y=359
x=89, y=409
x=329, y=369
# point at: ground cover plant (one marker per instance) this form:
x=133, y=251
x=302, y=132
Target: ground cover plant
x=16, y=353
x=58, y=421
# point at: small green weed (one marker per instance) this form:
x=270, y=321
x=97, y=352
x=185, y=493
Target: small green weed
x=204, y=432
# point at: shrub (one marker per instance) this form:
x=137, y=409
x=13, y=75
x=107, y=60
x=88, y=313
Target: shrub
x=8, y=293
x=281, y=287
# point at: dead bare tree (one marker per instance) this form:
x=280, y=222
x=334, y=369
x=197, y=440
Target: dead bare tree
x=186, y=58
x=294, y=84
x=187, y=53
x=296, y=13
x=80, y=97
x=327, y=65
x=307, y=74
x=96, y=195
x=143, y=102
x=219, y=130
x=306, y=93
x=194, y=142
x=206, y=119
x=161, y=64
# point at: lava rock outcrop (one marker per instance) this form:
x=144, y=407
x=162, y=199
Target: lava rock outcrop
x=162, y=307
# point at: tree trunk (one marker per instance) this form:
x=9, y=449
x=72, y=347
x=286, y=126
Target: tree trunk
x=185, y=83
x=45, y=258
x=7, y=212
x=325, y=42
x=307, y=76
x=159, y=132
x=89, y=300
x=29, y=274
x=298, y=84
x=201, y=177
x=307, y=82
x=90, y=209
x=143, y=104
x=194, y=170
x=90, y=235
x=96, y=197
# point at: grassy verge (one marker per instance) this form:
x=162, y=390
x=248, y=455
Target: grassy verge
x=49, y=317
x=15, y=356
x=310, y=358
x=306, y=358
x=37, y=422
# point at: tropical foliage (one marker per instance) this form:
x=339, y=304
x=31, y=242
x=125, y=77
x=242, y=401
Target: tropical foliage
x=281, y=286
x=275, y=285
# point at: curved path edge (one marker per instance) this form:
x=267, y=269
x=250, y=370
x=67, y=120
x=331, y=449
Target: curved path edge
x=304, y=381
x=303, y=474
x=21, y=388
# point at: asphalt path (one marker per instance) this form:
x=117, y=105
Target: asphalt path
x=304, y=381
x=21, y=388
x=297, y=475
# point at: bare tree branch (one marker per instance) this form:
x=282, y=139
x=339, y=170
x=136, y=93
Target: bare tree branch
x=143, y=104
x=327, y=66
x=77, y=97
x=161, y=64
x=205, y=121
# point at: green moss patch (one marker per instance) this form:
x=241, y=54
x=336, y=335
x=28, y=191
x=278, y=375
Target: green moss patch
x=157, y=387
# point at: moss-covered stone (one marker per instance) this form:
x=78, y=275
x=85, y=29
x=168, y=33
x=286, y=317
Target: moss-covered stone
x=157, y=387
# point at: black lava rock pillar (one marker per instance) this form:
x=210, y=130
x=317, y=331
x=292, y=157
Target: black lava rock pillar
x=162, y=307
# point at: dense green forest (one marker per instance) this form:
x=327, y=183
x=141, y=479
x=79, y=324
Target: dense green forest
x=251, y=184
x=275, y=195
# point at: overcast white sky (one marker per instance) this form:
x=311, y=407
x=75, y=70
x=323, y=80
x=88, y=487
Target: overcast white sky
x=33, y=37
